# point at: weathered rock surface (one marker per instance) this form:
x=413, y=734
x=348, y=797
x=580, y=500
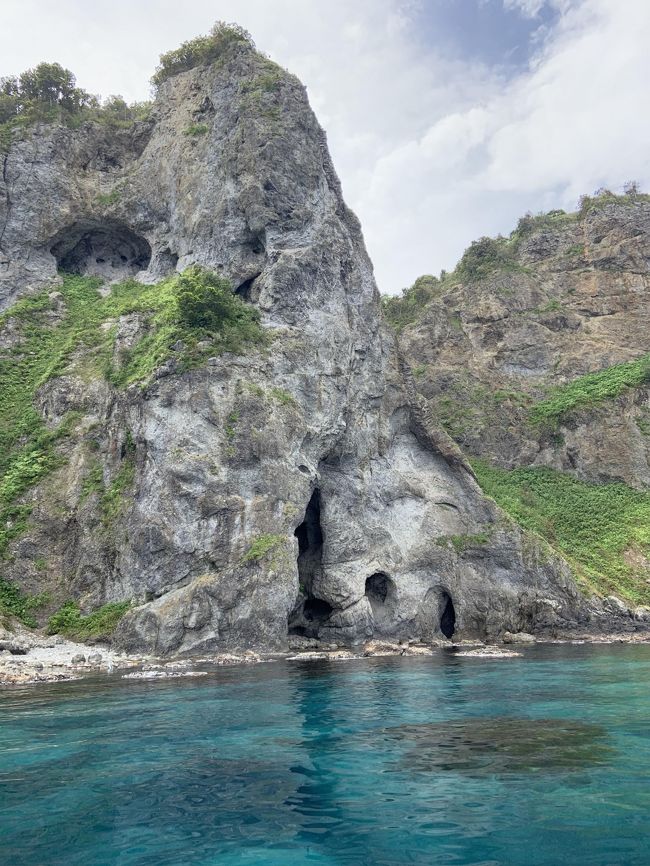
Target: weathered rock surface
x=573, y=301
x=359, y=496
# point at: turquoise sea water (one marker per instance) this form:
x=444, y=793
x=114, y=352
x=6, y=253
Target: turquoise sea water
x=537, y=761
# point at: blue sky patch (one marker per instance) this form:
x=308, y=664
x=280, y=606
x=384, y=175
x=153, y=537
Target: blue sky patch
x=484, y=31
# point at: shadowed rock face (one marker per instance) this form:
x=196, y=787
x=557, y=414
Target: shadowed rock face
x=220, y=463
x=102, y=248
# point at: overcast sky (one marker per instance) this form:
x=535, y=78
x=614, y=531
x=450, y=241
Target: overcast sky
x=447, y=119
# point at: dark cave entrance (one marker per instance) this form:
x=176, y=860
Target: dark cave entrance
x=312, y=613
x=381, y=593
x=309, y=612
x=104, y=249
x=247, y=290
x=447, y=616
x=310, y=541
x=437, y=614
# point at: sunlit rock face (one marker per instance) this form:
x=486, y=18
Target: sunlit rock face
x=298, y=490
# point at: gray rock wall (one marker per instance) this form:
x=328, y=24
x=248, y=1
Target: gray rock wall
x=217, y=542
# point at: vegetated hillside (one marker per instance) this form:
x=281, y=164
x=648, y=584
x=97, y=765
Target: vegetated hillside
x=534, y=355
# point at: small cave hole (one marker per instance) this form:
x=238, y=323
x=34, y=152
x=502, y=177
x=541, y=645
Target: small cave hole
x=256, y=243
x=315, y=609
x=377, y=587
x=381, y=593
x=310, y=540
x=246, y=290
x=437, y=614
x=108, y=249
x=447, y=616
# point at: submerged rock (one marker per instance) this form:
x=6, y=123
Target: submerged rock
x=503, y=746
x=162, y=675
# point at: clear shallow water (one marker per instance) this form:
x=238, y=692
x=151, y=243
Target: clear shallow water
x=536, y=761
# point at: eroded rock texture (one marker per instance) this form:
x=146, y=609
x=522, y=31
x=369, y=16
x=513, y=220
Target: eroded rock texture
x=573, y=301
x=298, y=489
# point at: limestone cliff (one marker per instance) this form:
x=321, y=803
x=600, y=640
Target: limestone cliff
x=296, y=487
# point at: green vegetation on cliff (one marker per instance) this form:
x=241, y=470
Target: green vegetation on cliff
x=202, y=49
x=100, y=624
x=14, y=602
x=262, y=546
x=186, y=317
x=405, y=309
x=40, y=349
x=48, y=93
x=189, y=316
x=602, y=530
x=590, y=390
x=488, y=256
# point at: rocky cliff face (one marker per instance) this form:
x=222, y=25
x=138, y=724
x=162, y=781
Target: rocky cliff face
x=534, y=355
x=572, y=300
x=300, y=489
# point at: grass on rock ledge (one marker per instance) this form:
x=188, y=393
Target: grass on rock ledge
x=14, y=602
x=261, y=546
x=602, y=530
x=100, y=624
x=590, y=390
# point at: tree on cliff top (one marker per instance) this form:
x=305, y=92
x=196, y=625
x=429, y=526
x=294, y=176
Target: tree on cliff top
x=44, y=92
x=203, y=49
x=48, y=93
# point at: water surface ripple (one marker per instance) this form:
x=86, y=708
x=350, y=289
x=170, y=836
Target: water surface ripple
x=535, y=761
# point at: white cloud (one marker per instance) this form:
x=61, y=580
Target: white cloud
x=574, y=122
x=432, y=152
x=529, y=8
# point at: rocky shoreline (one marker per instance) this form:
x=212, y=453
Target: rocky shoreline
x=28, y=658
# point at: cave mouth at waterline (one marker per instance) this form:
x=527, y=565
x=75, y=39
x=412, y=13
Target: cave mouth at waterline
x=381, y=594
x=309, y=612
x=437, y=615
x=447, y=615
x=107, y=249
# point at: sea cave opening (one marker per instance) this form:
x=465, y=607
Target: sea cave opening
x=310, y=612
x=447, y=615
x=437, y=615
x=381, y=594
x=108, y=249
